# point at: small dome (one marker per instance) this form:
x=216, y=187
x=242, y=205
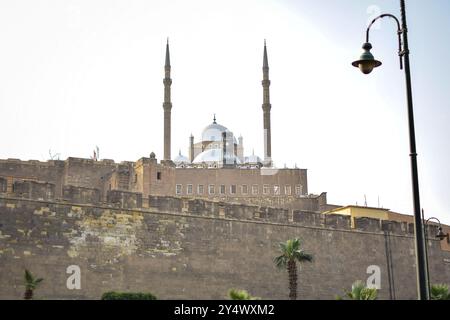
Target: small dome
x=252, y=159
x=180, y=159
x=152, y=155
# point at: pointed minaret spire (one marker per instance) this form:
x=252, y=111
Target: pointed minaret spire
x=167, y=54
x=265, y=60
x=214, y=119
x=266, y=106
x=167, y=105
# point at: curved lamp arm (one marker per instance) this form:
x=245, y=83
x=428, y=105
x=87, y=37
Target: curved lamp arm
x=440, y=234
x=399, y=32
x=428, y=220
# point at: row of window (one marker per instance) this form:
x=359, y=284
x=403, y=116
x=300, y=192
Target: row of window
x=244, y=189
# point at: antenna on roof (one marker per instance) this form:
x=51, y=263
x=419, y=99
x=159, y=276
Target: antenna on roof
x=365, y=201
x=53, y=156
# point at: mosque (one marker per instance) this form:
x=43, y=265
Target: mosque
x=218, y=147
x=216, y=168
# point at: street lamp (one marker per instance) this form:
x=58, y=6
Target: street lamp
x=366, y=64
x=439, y=235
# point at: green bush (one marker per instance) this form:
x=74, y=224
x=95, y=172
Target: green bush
x=112, y=295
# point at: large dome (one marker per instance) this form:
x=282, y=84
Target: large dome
x=213, y=132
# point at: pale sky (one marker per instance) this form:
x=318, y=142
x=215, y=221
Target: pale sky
x=76, y=74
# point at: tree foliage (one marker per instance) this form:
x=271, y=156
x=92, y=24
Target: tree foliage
x=112, y=295
x=31, y=284
x=439, y=292
x=236, y=294
x=291, y=253
x=360, y=292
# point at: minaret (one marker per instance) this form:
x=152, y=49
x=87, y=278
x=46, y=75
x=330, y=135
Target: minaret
x=191, y=148
x=167, y=105
x=266, y=106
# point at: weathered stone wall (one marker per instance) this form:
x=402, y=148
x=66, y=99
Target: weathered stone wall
x=51, y=172
x=81, y=195
x=194, y=249
x=124, y=199
x=33, y=190
x=149, y=177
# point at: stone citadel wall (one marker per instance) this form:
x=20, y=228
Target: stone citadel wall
x=195, y=249
x=148, y=177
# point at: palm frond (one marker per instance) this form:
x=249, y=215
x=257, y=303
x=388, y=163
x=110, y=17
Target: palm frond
x=280, y=261
x=361, y=292
x=28, y=277
x=235, y=294
x=440, y=292
x=302, y=256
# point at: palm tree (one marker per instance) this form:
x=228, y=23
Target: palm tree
x=440, y=292
x=290, y=255
x=30, y=284
x=235, y=294
x=360, y=292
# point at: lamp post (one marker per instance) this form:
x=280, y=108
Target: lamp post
x=366, y=64
x=439, y=235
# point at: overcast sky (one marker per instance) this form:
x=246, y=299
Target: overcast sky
x=76, y=74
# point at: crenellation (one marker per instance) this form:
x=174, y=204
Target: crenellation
x=34, y=190
x=124, y=199
x=76, y=194
x=394, y=227
x=336, y=221
x=367, y=224
x=308, y=218
x=3, y=185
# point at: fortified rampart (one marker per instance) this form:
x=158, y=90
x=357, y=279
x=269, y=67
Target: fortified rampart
x=195, y=249
x=283, y=188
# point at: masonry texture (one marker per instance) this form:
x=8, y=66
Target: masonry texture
x=180, y=248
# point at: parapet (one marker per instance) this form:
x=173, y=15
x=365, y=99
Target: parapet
x=85, y=161
x=81, y=195
x=218, y=209
x=3, y=185
x=33, y=190
x=124, y=199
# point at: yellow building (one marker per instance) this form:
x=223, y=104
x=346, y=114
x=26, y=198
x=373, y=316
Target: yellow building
x=384, y=214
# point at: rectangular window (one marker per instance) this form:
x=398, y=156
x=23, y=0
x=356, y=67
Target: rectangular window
x=255, y=189
x=244, y=189
x=222, y=189
x=298, y=190
x=276, y=190
x=211, y=189
x=189, y=189
x=233, y=189
x=266, y=189
x=287, y=190
x=158, y=175
x=200, y=189
x=178, y=189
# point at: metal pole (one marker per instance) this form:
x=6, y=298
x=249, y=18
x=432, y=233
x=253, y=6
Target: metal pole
x=418, y=225
x=425, y=232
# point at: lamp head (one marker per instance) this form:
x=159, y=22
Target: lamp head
x=441, y=235
x=366, y=62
